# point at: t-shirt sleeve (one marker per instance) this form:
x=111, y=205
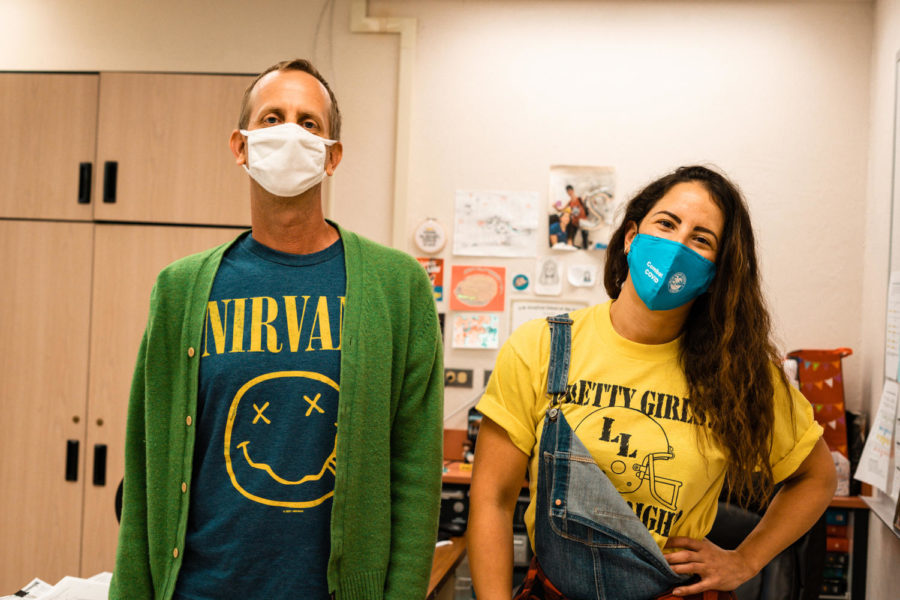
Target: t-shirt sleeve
x=795, y=432
x=513, y=391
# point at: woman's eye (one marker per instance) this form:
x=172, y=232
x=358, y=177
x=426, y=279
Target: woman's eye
x=666, y=223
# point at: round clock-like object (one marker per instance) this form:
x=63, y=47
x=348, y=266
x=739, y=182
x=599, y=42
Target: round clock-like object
x=429, y=237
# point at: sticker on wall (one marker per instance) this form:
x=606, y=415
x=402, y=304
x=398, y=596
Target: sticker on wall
x=476, y=330
x=582, y=207
x=520, y=282
x=495, y=223
x=429, y=237
x=435, y=269
x=522, y=311
x=548, y=279
x=582, y=275
x=478, y=288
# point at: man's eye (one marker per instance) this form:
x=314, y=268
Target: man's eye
x=309, y=124
x=270, y=120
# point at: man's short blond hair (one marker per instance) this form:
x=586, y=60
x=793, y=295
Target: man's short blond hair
x=297, y=64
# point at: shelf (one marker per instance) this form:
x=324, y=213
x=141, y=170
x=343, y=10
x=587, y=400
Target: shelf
x=883, y=506
x=847, y=502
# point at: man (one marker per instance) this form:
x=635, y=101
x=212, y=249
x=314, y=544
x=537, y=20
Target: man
x=285, y=420
x=579, y=211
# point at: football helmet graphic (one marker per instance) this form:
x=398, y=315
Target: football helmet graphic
x=632, y=448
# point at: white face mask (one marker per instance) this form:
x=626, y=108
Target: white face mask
x=286, y=159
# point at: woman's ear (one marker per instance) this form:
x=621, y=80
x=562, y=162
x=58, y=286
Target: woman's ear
x=629, y=235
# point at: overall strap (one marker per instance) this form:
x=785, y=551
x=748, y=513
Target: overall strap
x=560, y=350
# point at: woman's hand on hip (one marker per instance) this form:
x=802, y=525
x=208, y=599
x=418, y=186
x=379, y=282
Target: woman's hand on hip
x=718, y=569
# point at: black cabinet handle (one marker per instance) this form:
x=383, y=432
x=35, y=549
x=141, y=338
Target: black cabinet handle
x=71, y=460
x=99, y=464
x=110, y=175
x=84, y=182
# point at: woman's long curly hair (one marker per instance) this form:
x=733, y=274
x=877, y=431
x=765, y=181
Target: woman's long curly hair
x=726, y=352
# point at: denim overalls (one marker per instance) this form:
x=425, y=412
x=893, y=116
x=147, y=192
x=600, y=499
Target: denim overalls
x=588, y=542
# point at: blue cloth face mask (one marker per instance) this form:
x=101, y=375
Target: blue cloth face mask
x=667, y=274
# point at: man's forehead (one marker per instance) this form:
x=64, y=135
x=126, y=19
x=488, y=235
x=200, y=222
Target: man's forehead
x=287, y=80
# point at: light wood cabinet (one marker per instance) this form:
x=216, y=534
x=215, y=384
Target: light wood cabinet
x=135, y=147
x=168, y=137
x=50, y=131
x=44, y=332
x=76, y=280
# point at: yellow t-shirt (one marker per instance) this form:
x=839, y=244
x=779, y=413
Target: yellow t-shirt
x=627, y=404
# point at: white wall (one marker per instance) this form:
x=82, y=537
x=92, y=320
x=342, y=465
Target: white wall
x=883, y=578
x=774, y=93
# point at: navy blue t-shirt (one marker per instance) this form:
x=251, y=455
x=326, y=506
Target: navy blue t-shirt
x=264, y=459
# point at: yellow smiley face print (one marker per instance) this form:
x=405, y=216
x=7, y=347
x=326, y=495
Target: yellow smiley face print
x=276, y=452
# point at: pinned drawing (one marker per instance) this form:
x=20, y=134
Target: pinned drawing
x=476, y=330
x=478, y=288
x=435, y=269
x=496, y=223
x=582, y=207
x=582, y=275
x=548, y=279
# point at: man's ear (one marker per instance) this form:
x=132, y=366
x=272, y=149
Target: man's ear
x=238, y=145
x=333, y=159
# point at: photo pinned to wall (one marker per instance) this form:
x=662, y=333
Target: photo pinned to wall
x=496, y=223
x=584, y=275
x=435, y=269
x=479, y=331
x=522, y=311
x=478, y=288
x=548, y=278
x=582, y=207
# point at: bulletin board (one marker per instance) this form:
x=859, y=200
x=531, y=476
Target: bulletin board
x=885, y=423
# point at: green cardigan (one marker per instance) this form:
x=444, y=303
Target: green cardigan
x=389, y=433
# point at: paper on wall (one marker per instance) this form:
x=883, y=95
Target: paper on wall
x=523, y=311
x=548, y=279
x=476, y=330
x=892, y=328
x=895, y=487
x=874, y=464
x=582, y=275
x=495, y=223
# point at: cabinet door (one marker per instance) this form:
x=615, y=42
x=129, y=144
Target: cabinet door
x=50, y=127
x=44, y=321
x=126, y=261
x=167, y=135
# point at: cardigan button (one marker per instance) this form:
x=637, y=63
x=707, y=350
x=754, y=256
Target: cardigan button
x=191, y=352
x=175, y=553
x=183, y=487
x=189, y=420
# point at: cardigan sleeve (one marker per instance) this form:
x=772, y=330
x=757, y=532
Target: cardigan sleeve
x=417, y=452
x=131, y=578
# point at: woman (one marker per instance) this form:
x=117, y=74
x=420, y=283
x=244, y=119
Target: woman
x=670, y=390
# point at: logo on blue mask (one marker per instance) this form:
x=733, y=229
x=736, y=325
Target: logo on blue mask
x=667, y=274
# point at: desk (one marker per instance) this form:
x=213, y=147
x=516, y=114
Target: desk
x=446, y=559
